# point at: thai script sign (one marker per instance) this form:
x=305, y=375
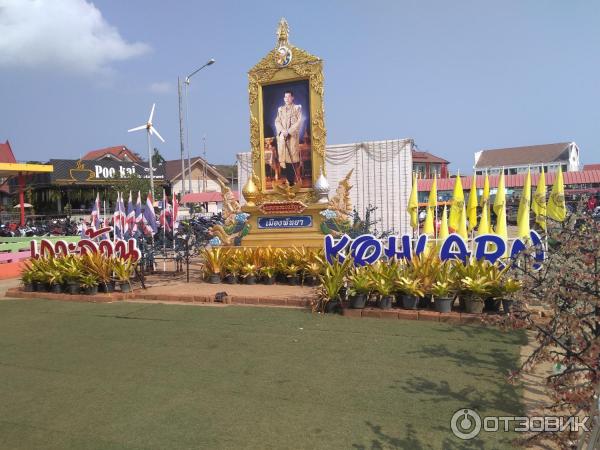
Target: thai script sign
x=367, y=249
x=120, y=248
x=284, y=222
x=293, y=207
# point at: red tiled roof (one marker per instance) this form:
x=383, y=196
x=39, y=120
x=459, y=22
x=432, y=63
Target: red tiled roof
x=6, y=153
x=511, y=181
x=591, y=167
x=118, y=152
x=427, y=157
x=515, y=156
x=202, y=197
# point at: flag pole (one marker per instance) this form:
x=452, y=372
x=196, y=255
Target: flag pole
x=164, y=232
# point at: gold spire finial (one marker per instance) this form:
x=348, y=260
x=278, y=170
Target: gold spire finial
x=283, y=32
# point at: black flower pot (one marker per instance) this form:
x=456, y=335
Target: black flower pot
x=214, y=279
x=37, y=286
x=48, y=287
x=250, y=279
x=492, y=304
x=385, y=302
x=506, y=306
x=358, y=301
x=473, y=306
x=409, y=301
x=294, y=280
x=28, y=287
x=425, y=302
x=230, y=279
x=56, y=289
x=73, y=287
x=269, y=280
x=106, y=287
x=311, y=280
x=333, y=306
x=443, y=304
x=125, y=287
x=343, y=293
x=90, y=290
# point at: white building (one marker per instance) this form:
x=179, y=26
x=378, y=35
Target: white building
x=381, y=178
x=517, y=160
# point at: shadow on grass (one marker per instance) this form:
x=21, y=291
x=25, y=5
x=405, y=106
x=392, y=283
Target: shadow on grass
x=496, y=358
x=381, y=440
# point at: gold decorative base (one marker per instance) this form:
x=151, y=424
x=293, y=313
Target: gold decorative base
x=285, y=237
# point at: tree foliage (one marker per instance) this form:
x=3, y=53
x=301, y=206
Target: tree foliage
x=567, y=288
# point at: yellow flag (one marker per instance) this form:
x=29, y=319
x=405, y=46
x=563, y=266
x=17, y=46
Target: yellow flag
x=538, y=205
x=444, y=225
x=458, y=202
x=556, y=203
x=524, y=208
x=484, y=223
x=472, y=205
x=413, y=205
x=428, y=226
x=433, y=193
x=462, y=223
x=500, y=210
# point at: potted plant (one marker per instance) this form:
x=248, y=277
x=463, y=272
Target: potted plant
x=477, y=289
x=292, y=272
x=332, y=281
x=411, y=292
x=509, y=287
x=359, y=287
x=231, y=267
x=89, y=283
x=27, y=278
x=312, y=270
x=442, y=296
x=55, y=279
x=123, y=269
x=249, y=273
x=213, y=264
x=268, y=274
x=102, y=266
x=382, y=282
x=70, y=266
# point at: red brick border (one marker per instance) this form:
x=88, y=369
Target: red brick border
x=294, y=302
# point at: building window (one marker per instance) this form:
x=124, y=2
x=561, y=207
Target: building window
x=435, y=170
x=419, y=170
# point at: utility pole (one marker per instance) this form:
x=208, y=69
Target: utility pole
x=204, y=166
x=181, y=142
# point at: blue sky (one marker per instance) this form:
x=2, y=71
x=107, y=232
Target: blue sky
x=457, y=77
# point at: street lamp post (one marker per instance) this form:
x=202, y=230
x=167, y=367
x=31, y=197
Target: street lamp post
x=181, y=137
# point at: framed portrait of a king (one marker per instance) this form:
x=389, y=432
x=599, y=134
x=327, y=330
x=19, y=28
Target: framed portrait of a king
x=286, y=134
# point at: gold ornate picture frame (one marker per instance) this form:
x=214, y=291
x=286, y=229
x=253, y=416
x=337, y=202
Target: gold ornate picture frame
x=286, y=63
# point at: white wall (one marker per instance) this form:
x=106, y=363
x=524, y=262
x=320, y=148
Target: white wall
x=381, y=178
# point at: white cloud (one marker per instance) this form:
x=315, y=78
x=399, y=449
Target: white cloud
x=70, y=35
x=161, y=87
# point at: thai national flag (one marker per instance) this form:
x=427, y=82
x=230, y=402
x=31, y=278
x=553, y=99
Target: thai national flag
x=123, y=217
x=148, y=216
x=117, y=221
x=130, y=223
x=138, y=214
x=95, y=221
x=175, y=213
x=166, y=213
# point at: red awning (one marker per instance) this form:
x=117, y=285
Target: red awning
x=512, y=181
x=205, y=197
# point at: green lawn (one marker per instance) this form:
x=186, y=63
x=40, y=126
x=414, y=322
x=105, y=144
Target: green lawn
x=103, y=376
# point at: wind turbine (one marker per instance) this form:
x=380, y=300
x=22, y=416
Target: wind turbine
x=149, y=130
